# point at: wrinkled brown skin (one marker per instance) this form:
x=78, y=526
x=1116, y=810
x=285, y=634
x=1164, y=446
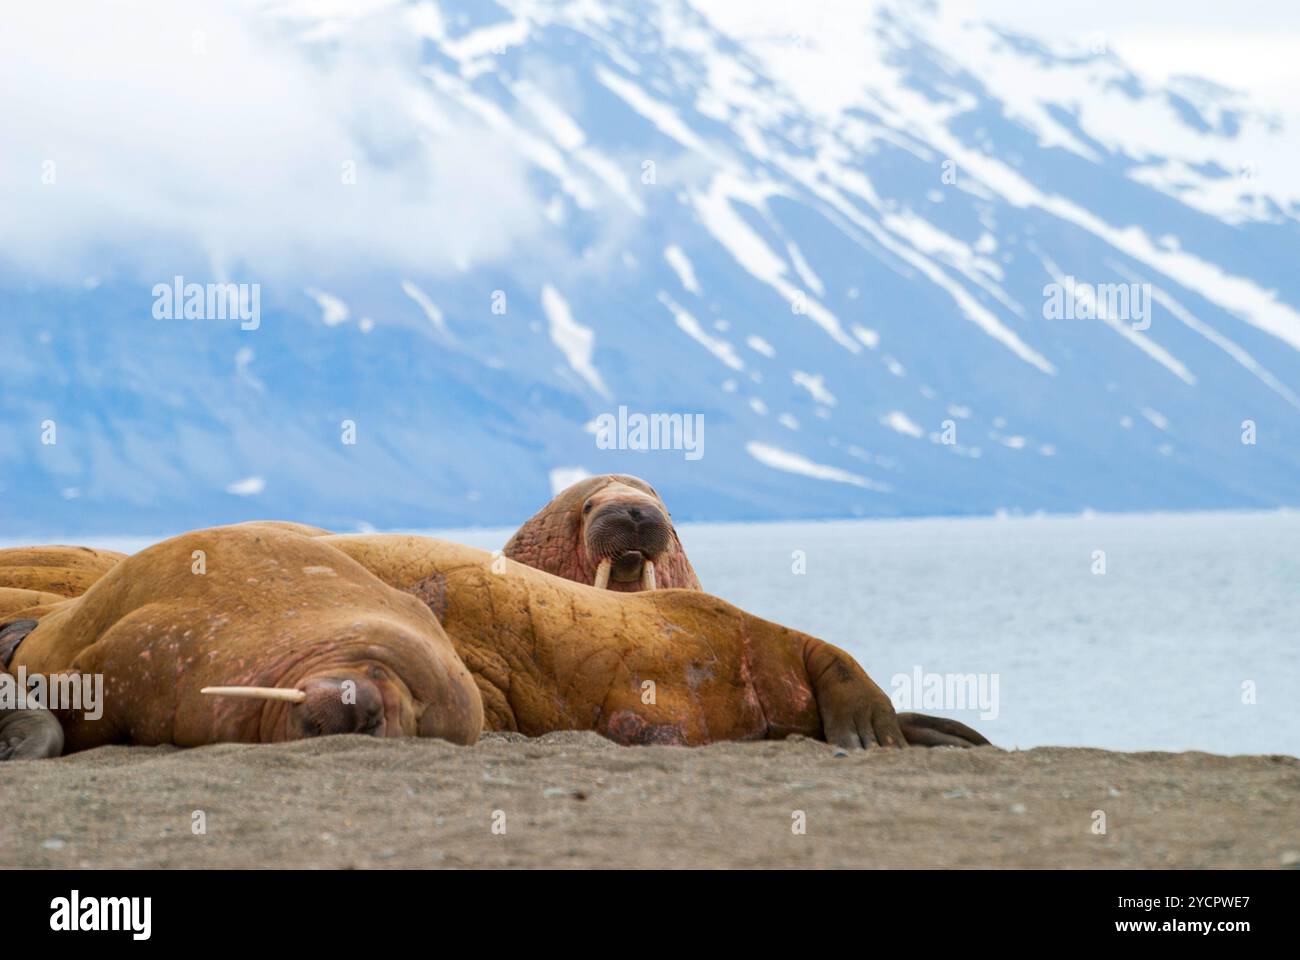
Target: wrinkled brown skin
x=274, y=608
x=15, y=600
x=66, y=571
x=555, y=538
x=292, y=526
x=549, y=654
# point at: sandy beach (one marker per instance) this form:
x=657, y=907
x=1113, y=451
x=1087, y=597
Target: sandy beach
x=577, y=800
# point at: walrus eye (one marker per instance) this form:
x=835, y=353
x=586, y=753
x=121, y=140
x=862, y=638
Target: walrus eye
x=587, y=508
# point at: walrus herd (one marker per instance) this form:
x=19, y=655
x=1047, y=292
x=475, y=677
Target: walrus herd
x=269, y=631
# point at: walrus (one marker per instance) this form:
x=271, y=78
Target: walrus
x=311, y=642
x=610, y=531
x=293, y=526
x=71, y=571
x=286, y=620
x=66, y=571
x=550, y=654
x=16, y=599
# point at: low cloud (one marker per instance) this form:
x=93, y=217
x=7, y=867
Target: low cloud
x=160, y=137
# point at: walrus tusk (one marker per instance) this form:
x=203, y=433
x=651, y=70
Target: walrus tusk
x=602, y=574
x=648, y=576
x=259, y=693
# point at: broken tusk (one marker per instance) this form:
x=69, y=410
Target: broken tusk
x=648, y=576
x=288, y=694
x=602, y=574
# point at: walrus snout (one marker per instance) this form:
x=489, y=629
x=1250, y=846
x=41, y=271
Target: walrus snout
x=630, y=534
x=340, y=705
x=388, y=681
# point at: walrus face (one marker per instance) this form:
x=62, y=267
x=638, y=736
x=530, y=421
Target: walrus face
x=624, y=533
x=382, y=681
x=611, y=531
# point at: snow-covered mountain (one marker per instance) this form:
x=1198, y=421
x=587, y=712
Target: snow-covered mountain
x=836, y=244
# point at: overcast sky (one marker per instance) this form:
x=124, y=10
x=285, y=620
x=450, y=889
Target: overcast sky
x=1248, y=44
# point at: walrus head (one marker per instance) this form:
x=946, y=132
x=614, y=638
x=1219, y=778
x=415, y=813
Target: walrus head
x=375, y=678
x=304, y=642
x=611, y=531
x=625, y=533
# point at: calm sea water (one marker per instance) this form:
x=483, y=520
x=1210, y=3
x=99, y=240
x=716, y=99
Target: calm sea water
x=1194, y=617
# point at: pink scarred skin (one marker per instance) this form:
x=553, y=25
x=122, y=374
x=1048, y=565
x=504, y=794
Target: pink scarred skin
x=559, y=538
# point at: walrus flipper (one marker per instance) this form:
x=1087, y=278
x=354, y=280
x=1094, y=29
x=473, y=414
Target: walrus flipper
x=925, y=731
x=31, y=733
x=855, y=712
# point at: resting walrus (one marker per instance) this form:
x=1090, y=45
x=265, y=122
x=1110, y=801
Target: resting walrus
x=15, y=599
x=67, y=571
x=611, y=531
x=549, y=654
x=266, y=608
x=298, y=615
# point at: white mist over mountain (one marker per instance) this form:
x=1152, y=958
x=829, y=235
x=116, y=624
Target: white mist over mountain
x=476, y=228
x=165, y=129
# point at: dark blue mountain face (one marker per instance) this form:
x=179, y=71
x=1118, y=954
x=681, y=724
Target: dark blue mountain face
x=855, y=296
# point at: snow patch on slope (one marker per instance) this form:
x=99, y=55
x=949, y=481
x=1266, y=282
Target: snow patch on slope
x=430, y=309
x=779, y=459
x=681, y=265
x=720, y=348
x=575, y=341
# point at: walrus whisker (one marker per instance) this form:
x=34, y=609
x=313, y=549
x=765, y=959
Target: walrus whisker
x=602, y=574
x=648, y=575
x=288, y=694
